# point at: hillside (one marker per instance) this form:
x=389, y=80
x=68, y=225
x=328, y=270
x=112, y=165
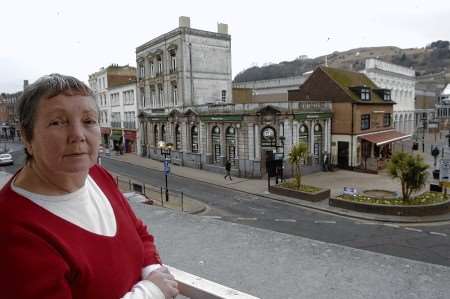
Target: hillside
x=431, y=63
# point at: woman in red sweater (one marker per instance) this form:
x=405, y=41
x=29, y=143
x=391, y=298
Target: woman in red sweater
x=66, y=231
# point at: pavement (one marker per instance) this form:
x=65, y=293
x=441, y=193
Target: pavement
x=269, y=264
x=335, y=181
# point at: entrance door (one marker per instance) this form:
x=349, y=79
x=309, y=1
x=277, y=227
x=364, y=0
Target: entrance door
x=343, y=154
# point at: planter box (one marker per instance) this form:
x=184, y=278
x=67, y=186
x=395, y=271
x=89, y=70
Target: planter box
x=316, y=196
x=422, y=210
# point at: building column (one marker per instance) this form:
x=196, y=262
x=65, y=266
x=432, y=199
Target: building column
x=201, y=128
x=311, y=137
x=184, y=136
x=288, y=137
x=296, y=129
x=257, y=144
x=329, y=135
x=236, y=141
x=251, y=142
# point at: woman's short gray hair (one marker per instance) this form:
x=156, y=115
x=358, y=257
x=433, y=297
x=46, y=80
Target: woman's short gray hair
x=44, y=88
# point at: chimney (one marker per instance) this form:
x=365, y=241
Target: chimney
x=25, y=84
x=184, y=22
x=222, y=28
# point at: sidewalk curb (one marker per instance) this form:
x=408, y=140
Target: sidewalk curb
x=338, y=213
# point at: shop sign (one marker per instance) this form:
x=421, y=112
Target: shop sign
x=221, y=117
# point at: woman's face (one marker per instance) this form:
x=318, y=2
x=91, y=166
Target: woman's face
x=66, y=135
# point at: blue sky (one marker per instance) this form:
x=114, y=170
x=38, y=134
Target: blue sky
x=79, y=37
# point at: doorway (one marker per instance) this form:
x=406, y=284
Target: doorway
x=343, y=154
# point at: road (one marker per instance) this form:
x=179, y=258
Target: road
x=428, y=243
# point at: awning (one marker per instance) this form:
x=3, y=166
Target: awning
x=384, y=137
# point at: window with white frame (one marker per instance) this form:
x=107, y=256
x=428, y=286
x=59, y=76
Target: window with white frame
x=129, y=120
x=174, y=94
x=160, y=66
x=152, y=69
x=160, y=95
x=128, y=97
x=173, y=61
x=365, y=94
x=141, y=71
x=114, y=98
x=116, y=120
x=153, y=97
x=143, y=102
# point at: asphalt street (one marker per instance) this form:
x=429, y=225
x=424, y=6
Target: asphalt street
x=428, y=243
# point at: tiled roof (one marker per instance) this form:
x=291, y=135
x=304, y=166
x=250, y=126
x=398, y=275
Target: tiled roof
x=348, y=79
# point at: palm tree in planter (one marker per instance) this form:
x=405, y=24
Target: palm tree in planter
x=411, y=170
x=298, y=153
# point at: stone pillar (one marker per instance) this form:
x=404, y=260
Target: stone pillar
x=311, y=137
x=184, y=136
x=208, y=144
x=223, y=146
x=257, y=143
x=236, y=142
x=201, y=134
x=296, y=130
x=288, y=137
x=251, y=142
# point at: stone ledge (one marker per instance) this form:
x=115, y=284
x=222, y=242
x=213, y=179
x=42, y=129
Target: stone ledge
x=413, y=210
x=313, y=197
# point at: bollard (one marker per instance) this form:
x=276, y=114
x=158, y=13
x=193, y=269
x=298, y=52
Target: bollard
x=162, y=201
x=129, y=185
x=182, y=202
x=117, y=180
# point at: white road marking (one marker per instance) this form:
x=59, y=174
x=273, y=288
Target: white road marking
x=367, y=223
x=212, y=217
x=391, y=225
x=247, y=219
x=286, y=220
x=325, y=221
x=414, y=229
x=438, y=234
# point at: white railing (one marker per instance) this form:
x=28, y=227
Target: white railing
x=195, y=287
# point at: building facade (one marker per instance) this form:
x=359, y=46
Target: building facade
x=184, y=67
x=247, y=135
x=401, y=81
x=115, y=93
x=362, y=128
x=273, y=90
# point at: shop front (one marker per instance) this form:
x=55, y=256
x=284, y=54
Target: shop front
x=130, y=137
x=105, y=132
x=375, y=149
x=117, y=139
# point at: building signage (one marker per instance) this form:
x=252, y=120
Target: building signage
x=444, y=170
x=129, y=135
x=350, y=191
x=221, y=117
x=304, y=116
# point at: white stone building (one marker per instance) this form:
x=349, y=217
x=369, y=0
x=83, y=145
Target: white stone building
x=272, y=90
x=184, y=67
x=401, y=81
x=115, y=93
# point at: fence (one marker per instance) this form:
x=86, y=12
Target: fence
x=157, y=195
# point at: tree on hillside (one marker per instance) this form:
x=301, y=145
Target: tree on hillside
x=411, y=170
x=298, y=154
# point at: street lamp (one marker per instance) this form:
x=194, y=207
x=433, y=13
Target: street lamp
x=424, y=126
x=165, y=149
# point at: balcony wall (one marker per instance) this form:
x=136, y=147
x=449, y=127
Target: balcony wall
x=270, y=265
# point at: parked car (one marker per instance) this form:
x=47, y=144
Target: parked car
x=6, y=159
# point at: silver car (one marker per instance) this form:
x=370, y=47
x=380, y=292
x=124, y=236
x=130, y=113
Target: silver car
x=6, y=159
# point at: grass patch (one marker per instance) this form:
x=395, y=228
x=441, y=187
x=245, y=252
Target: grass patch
x=426, y=198
x=304, y=188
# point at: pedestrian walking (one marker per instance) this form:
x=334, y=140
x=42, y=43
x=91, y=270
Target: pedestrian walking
x=227, y=170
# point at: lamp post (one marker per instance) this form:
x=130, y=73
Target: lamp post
x=165, y=149
x=282, y=138
x=424, y=126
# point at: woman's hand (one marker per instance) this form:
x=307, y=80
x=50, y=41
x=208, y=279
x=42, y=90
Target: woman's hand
x=165, y=281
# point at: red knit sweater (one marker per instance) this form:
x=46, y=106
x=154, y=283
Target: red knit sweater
x=45, y=256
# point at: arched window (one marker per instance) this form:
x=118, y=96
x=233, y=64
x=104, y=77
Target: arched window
x=215, y=137
x=318, y=140
x=303, y=135
x=155, y=135
x=230, y=137
x=177, y=137
x=194, y=139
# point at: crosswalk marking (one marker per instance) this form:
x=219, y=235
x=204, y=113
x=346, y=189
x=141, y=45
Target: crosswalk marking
x=414, y=229
x=246, y=219
x=325, y=221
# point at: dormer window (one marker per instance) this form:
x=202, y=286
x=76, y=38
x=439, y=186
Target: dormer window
x=387, y=95
x=365, y=94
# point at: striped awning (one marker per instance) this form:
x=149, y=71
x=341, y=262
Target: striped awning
x=384, y=137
